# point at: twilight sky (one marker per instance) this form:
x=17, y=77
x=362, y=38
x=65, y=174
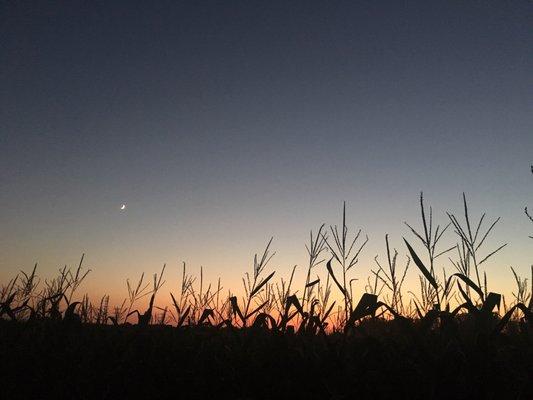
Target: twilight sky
x=221, y=124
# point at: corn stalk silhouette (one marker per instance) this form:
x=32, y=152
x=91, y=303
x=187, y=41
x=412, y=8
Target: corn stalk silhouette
x=432, y=293
x=252, y=286
x=346, y=253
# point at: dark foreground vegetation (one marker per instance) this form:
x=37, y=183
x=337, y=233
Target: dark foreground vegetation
x=379, y=359
x=454, y=339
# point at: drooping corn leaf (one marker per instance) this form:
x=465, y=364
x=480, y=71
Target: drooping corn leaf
x=468, y=304
x=470, y=283
x=262, y=321
x=330, y=270
x=184, y=316
x=176, y=306
x=493, y=300
x=235, y=308
x=367, y=305
x=206, y=314
x=263, y=283
x=505, y=319
x=421, y=266
x=293, y=301
x=69, y=313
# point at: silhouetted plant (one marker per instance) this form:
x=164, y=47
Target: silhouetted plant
x=346, y=253
x=182, y=307
x=317, y=246
x=145, y=318
x=252, y=286
x=432, y=293
x=390, y=278
x=471, y=241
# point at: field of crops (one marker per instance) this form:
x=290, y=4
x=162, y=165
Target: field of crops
x=453, y=339
x=378, y=360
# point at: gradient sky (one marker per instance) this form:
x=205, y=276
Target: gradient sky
x=221, y=124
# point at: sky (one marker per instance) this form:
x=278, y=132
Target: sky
x=222, y=124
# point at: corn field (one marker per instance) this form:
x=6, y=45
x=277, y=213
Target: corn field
x=453, y=338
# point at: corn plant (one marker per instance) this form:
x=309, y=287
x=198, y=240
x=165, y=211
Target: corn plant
x=346, y=253
x=323, y=298
x=390, y=278
x=282, y=292
x=522, y=297
x=523, y=294
x=471, y=240
x=203, y=305
x=182, y=305
x=317, y=246
x=252, y=286
x=118, y=313
x=432, y=293
x=8, y=293
x=145, y=318
x=134, y=294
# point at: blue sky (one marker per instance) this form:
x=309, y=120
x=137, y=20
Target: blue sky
x=223, y=124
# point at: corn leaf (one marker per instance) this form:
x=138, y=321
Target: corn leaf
x=421, y=266
x=330, y=270
x=263, y=283
x=257, y=309
x=493, y=300
x=205, y=316
x=235, y=308
x=470, y=283
x=184, y=316
x=310, y=284
x=505, y=319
